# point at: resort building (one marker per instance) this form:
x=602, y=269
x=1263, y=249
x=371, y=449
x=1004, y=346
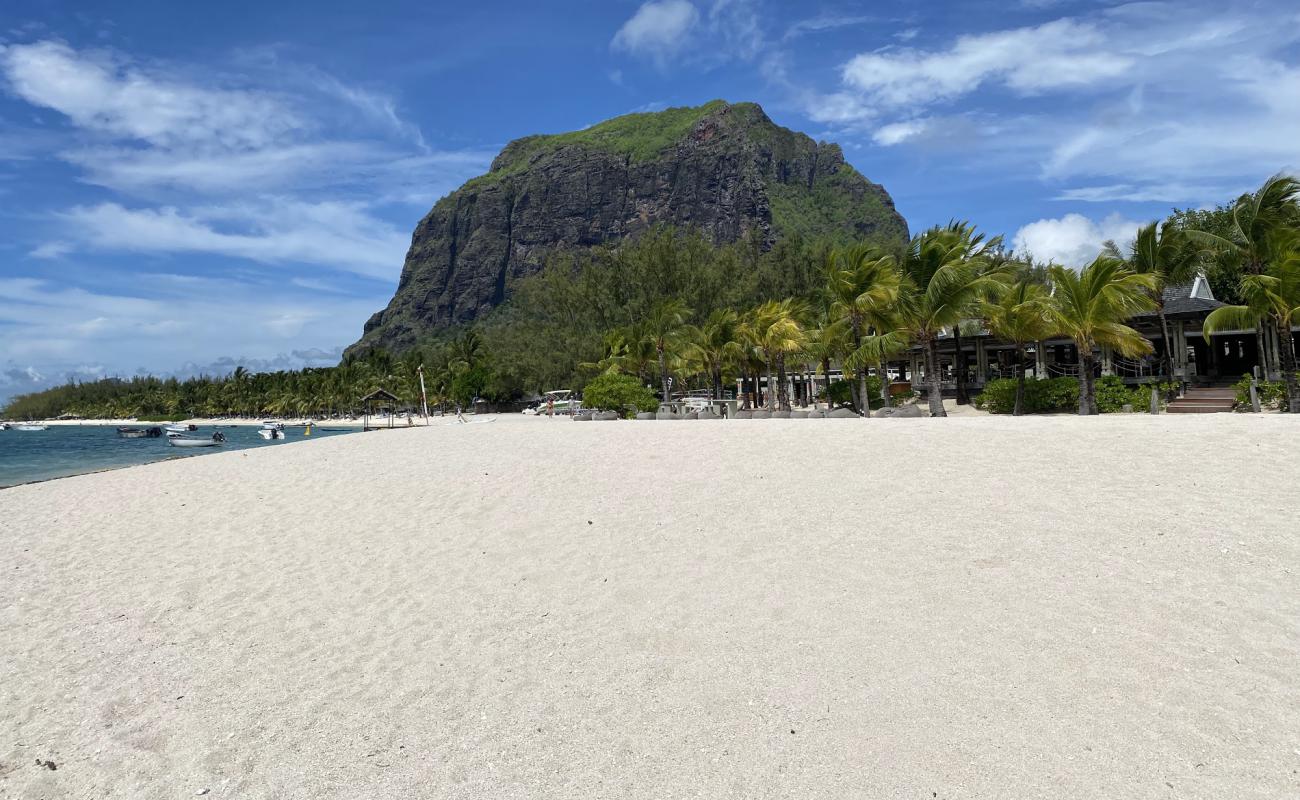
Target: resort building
x=1223, y=359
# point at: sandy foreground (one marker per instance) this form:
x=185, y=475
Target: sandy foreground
x=964, y=608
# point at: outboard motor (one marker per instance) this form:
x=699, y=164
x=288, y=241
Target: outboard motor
x=218, y=437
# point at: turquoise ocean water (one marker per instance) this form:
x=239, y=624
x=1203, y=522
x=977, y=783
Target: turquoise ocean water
x=64, y=450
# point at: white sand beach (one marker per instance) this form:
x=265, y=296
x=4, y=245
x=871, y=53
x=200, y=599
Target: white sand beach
x=983, y=607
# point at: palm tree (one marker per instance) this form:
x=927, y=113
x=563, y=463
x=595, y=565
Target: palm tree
x=663, y=328
x=1271, y=298
x=774, y=330
x=1020, y=315
x=862, y=284
x=1251, y=241
x=1166, y=252
x=1091, y=307
x=942, y=286
x=717, y=345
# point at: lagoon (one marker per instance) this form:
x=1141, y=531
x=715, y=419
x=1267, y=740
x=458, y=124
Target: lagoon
x=64, y=450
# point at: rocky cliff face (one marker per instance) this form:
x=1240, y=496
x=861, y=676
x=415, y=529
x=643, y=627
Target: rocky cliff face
x=723, y=169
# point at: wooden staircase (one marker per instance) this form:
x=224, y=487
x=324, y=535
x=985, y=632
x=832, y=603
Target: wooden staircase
x=1212, y=400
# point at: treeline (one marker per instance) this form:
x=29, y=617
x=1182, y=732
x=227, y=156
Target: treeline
x=678, y=313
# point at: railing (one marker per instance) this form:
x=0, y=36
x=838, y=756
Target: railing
x=1062, y=370
x=1132, y=368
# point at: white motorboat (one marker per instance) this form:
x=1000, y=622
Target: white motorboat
x=4, y=426
x=271, y=433
x=178, y=428
x=30, y=427
x=180, y=440
x=558, y=401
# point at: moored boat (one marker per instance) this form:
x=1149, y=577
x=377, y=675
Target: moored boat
x=180, y=440
x=271, y=433
x=180, y=428
x=139, y=433
x=30, y=427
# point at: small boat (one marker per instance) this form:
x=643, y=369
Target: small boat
x=139, y=433
x=4, y=426
x=271, y=433
x=30, y=427
x=181, y=440
x=179, y=428
x=557, y=402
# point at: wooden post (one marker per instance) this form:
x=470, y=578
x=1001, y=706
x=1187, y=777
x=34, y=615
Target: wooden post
x=1254, y=395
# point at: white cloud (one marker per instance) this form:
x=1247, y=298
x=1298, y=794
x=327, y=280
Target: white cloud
x=897, y=132
x=98, y=92
x=1055, y=55
x=338, y=235
x=658, y=29
x=823, y=22
x=183, y=326
x=1073, y=240
x=52, y=250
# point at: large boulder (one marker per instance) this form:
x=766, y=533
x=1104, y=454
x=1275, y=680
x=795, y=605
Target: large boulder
x=843, y=413
x=645, y=415
x=798, y=414
x=666, y=415
x=604, y=416
x=781, y=414
x=744, y=413
x=762, y=413
x=585, y=416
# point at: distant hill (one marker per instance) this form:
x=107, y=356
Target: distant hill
x=724, y=169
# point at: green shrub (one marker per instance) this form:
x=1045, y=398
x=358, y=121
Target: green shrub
x=613, y=391
x=841, y=392
x=1051, y=394
x=1272, y=394
x=1113, y=395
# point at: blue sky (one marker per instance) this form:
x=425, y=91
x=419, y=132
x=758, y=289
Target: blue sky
x=185, y=187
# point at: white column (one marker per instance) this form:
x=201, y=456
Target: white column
x=1040, y=359
x=981, y=360
x=1107, y=361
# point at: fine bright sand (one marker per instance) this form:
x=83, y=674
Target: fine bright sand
x=964, y=608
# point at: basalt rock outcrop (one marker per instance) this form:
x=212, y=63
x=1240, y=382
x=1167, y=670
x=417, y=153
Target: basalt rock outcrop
x=723, y=169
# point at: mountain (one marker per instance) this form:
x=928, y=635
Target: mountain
x=724, y=169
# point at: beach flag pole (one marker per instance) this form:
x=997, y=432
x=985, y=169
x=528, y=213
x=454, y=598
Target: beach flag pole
x=424, y=398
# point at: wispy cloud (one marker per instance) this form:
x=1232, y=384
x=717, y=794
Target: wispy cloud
x=339, y=235
x=657, y=30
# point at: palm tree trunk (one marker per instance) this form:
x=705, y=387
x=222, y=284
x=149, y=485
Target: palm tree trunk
x=934, y=379
x=1286, y=348
x=1087, y=398
x=860, y=401
x=783, y=393
x=883, y=370
x=1019, y=410
x=959, y=367
x=1168, y=367
x=826, y=373
x=663, y=373
x=1262, y=352
x=769, y=397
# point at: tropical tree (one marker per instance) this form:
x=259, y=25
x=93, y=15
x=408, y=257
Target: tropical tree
x=1256, y=238
x=773, y=329
x=1020, y=315
x=664, y=328
x=1166, y=252
x=717, y=345
x=943, y=284
x=863, y=285
x=1272, y=298
x=1091, y=307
